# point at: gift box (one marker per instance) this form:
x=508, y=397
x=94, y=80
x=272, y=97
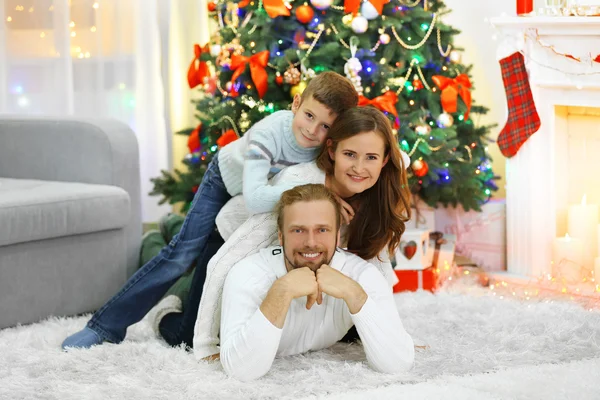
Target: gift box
x=480, y=236
x=426, y=279
x=414, y=251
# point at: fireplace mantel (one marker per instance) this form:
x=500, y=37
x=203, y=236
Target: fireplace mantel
x=569, y=26
x=537, y=177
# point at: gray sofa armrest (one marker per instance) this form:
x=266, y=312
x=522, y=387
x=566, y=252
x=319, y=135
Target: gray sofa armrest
x=98, y=151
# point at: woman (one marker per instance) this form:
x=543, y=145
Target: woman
x=362, y=164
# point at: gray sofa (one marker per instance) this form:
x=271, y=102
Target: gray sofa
x=70, y=219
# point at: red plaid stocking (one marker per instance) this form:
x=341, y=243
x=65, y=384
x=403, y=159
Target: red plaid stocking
x=523, y=120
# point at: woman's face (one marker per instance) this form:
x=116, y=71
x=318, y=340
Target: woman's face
x=358, y=161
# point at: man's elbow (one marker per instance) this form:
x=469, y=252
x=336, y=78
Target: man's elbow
x=241, y=371
x=400, y=361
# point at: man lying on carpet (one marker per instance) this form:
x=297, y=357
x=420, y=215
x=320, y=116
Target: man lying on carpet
x=306, y=294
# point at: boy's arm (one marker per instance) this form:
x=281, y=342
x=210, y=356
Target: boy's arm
x=259, y=195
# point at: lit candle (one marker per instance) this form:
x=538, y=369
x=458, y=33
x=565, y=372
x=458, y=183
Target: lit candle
x=583, y=225
x=567, y=258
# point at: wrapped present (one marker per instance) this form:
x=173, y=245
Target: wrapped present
x=426, y=279
x=414, y=251
x=480, y=236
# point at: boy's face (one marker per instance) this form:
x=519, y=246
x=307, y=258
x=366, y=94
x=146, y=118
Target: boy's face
x=311, y=121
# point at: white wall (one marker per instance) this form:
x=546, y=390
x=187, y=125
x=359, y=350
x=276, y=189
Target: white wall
x=479, y=47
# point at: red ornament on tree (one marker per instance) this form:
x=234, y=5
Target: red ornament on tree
x=420, y=168
x=194, y=139
x=279, y=80
x=304, y=14
x=212, y=6
x=417, y=84
x=195, y=188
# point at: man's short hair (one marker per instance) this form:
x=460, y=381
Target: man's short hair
x=308, y=192
x=333, y=90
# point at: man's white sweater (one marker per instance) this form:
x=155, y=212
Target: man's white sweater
x=245, y=235
x=250, y=342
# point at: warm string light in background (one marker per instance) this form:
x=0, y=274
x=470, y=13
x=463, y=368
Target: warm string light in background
x=18, y=89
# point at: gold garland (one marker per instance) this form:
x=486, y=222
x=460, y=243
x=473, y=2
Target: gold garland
x=310, y=49
x=420, y=140
x=228, y=119
x=422, y=42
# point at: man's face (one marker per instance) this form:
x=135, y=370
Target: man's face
x=312, y=121
x=309, y=235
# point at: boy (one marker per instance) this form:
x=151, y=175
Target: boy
x=282, y=139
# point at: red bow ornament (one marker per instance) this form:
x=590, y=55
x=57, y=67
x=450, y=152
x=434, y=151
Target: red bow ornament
x=226, y=138
x=385, y=102
x=197, y=73
x=258, y=63
x=352, y=6
x=194, y=139
x=451, y=89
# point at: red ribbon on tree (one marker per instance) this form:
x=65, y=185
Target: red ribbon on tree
x=352, y=6
x=226, y=138
x=194, y=139
x=196, y=74
x=451, y=89
x=258, y=63
x=385, y=102
x=275, y=8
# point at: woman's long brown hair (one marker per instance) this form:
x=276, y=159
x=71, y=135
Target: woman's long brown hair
x=382, y=210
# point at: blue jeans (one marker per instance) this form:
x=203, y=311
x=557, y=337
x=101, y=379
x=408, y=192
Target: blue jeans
x=147, y=286
x=177, y=328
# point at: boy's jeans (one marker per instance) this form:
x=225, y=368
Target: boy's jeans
x=147, y=286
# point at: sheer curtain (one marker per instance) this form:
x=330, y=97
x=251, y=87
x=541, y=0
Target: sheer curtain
x=89, y=58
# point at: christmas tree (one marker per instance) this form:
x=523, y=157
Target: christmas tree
x=400, y=57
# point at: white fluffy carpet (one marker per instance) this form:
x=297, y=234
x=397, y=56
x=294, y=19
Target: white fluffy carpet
x=480, y=347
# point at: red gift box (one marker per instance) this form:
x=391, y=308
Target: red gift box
x=412, y=280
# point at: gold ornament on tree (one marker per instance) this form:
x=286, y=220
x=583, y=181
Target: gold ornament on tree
x=292, y=75
x=353, y=66
x=347, y=19
x=455, y=56
x=298, y=89
x=423, y=129
x=228, y=50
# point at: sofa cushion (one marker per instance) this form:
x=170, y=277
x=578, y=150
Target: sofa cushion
x=34, y=210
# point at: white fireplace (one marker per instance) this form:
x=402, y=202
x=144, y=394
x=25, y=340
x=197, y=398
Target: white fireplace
x=561, y=162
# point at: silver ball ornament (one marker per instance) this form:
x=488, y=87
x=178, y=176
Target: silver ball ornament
x=423, y=129
x=321, y=4
x=360, y=24
x=368, y=10
x=445, y=120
